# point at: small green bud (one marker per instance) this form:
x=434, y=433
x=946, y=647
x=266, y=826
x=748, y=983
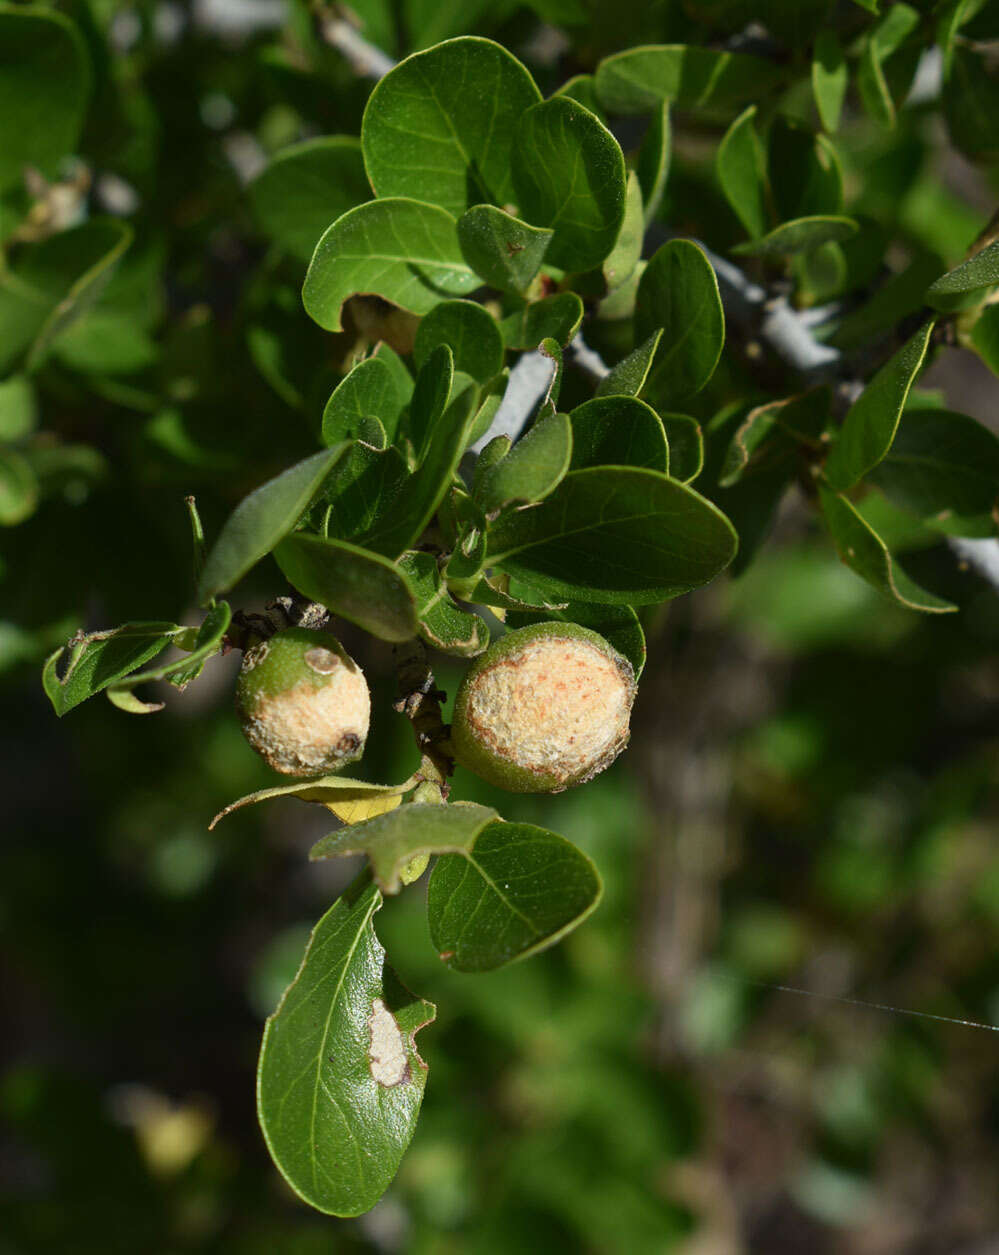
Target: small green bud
x=545, y=707
x=303, y=703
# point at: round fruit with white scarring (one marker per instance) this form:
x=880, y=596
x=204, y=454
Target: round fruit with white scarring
x=303, y=702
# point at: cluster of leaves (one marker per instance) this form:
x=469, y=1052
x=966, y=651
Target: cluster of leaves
x=503, y=223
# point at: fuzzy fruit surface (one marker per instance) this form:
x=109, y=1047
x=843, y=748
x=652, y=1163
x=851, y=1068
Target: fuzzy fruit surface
x=303, y=702
x=545, y=707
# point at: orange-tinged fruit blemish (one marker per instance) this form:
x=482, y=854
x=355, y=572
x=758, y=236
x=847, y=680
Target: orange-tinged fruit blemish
x=544, y=708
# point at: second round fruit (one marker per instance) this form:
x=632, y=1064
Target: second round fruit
x=544, y=708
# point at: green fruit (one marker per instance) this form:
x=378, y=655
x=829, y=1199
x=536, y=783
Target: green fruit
x=303, y=703
x=544, y=708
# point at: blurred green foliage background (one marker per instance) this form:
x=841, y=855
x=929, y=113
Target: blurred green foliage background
x=810, y=798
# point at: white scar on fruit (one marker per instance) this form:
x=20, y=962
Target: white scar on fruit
x=387, y=1057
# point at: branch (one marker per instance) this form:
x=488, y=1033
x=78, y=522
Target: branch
x=420, y=701
x=366, y=60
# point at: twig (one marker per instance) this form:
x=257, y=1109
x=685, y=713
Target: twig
x=366, y=60
x=420, y=701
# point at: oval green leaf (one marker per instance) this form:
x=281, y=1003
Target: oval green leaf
x=503, y=251
x=569, y=175
x=439, y=126
x=800, y=235
x=100, y=659
x=870, y=425
x=401, y=250
x=741, y=166
x=470, y=332
x=696, y=78
x=978, y=272
x=554, y=318
x=443, y=623
x=519, y=890
x=618, y=431
x=678, y=292
x=944, y=467
x=392, y=841
x=340, y=1081
x=532, y=469
x=261, y=520
x=44, y=83
x=863, y=550
x=829, y=78
x=352, y=582
x=616, y=535
x=370, y=390
x=307, y=186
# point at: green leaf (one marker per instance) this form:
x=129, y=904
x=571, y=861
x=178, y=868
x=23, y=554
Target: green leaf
x=261, y=520
x=423, y=492
x=944, y=467
x=439, y=126
x=618, y=431
x=361, y=490
x=307, y=186
x=340, y=1081
x=490, y=399
x=620, y=262
x=801, y=235
x=769, y=433
x=678, y=292
x=44, y=84
x=653, y=162
x=870, y=425
x=583, y=89
x=101, y=658
x=616, y=535
x=391, y=842
x=402, y=250
x=686, y=446
x=569, y=175
x=180, y=672
x=984, y=337
x=430, y=398
x=872, y=85
x=861, y=548
x=370, y=390
x=469, y=331
x=18, y=408
x=804, y=170
x=973, y=275
x=19, y=488
x=740, y=164
x=628, y=377
x=971, y=99
x=519, y=890
x=50, y=284
x=503, y=251
x=352, y=582
x=555, y=318
x=829, y=78
x=619, y=625
x=443, y=624
x=695, y=78
x=533, y=468
x=493, y=591
x=333, y=792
